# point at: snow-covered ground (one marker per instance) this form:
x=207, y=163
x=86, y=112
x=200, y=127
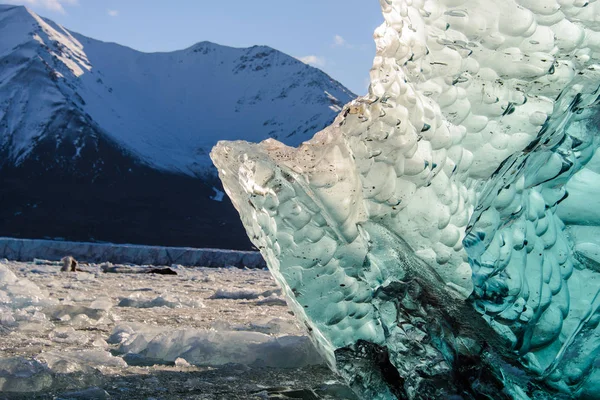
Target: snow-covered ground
x=201, y=334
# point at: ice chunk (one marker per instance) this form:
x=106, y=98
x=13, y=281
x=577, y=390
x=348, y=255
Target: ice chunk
x=144, y=344
x=21, y=293
x=7, y=276
x=21, y=302
x=137, y=301
x=159, y=301
x=66, y=362
x=69, y=335
x=67, y=312
x=102, y=303
x=434, y=230
x=99, y=342
x=243, y=294
x=22, y=375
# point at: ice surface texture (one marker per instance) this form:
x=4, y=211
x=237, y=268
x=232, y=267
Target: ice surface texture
x=442, y=237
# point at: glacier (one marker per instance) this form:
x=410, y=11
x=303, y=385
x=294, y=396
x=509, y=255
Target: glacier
x=31, y=249
x=441, y=238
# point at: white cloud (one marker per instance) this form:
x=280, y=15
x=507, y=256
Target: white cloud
x=339, y=41
x=113, y=13
x=52, y=5
x=315, y=61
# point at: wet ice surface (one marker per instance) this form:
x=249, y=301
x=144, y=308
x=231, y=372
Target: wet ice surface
x=200, y=334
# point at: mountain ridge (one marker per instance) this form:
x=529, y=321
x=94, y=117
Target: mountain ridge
x=131, y=95
x=90, y=129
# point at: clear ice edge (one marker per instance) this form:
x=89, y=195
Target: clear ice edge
x=442, y=237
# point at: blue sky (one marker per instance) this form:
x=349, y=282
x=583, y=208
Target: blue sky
x=334, y=35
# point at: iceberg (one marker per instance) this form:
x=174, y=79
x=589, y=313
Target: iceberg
x=441, y=239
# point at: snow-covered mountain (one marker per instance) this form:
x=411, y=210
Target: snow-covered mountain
x=166, y=108
x=75, y=111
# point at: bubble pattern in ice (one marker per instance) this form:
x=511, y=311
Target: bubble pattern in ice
x=480, y=117
x=532, y=282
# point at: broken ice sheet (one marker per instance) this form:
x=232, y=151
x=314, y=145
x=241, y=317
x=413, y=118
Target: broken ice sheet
x=440, y=238
x=71, y=348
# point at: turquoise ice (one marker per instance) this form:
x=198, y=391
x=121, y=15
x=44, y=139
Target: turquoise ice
x=442, y=237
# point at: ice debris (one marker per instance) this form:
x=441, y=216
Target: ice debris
x=27, y=375
x=138, y=301
x=243, y=294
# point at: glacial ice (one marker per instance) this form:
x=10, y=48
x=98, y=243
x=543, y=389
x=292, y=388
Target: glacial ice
x=29, y=249
x=442, y=237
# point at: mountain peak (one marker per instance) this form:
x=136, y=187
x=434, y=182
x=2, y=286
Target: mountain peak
x=17, y=26
x=205, y=44
x=212, y=46
x=168, y=109
x=23, y=29
x=6, y=7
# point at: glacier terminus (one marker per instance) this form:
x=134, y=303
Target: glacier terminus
x=441, y=239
